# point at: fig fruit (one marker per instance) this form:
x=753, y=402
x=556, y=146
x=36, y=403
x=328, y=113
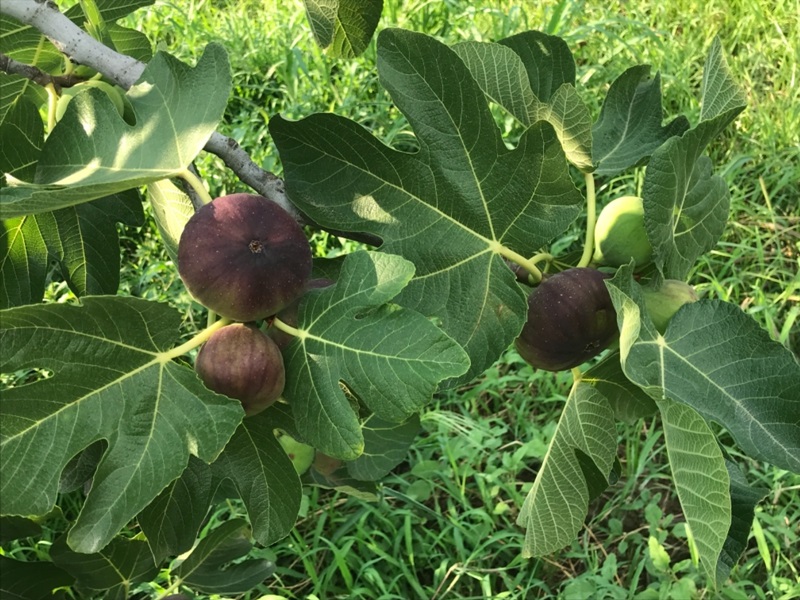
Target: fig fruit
x=114, y=94
x=244, y=257
x=326, y=465
x=242, y=362
x=289, y=314
x=301, y=455
x=620, y=235
x=663, y=303
x=570, y=319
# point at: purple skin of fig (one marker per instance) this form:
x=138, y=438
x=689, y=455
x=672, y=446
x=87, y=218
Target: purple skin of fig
x=570, y=319
x=244, y=257
x=242, y=362
x=289, y=314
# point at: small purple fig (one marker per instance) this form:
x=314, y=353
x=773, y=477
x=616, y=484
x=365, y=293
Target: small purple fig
x=242, y=362
x=570, y=319
x=244, y=257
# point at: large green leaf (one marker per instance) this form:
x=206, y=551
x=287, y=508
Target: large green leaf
x=344, y=25
x=171, y=521
x=25, y=44
x=455, y=208
x=385, y=446
x=114, y=570
x=113, y=379
x=82, y=161
x=701, y=479
x=23, y=262
x=629, y=129
x=21, y=131
x=579, y=460
x=390, y=358
x=500, y=72
x=264, y=477
x=627, y=399
x=26, y=580
x=685, y=205
x=172, y=208
x=717, y=360
x=213, y=566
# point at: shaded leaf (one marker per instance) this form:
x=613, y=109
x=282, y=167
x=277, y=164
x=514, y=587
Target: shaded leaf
x=701, y=480
x=14, y=528
x=389, y=357
x=21, y=134
x=207, y=569
x=501, y=74
x=557, y=504
x=27, y=580
x=547, y=60
x=629, y=129
x=25, y=44
x=263, y=476
x=716, y=359
x=344, y=25
x=81, y=161
x=386, y=445
x=627, y=400
x=113, y=570
x=113, y=379
x=171, y=521
x=454, y=209
x=24, y=262
x=81, y=467
x=131, y=42
x=172, y=208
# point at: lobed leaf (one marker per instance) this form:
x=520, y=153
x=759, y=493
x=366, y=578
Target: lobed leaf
x=385, y=446
x=454, y=208
x=113, y=379
x=81, y=161
x=390, y=358
x=344, y=25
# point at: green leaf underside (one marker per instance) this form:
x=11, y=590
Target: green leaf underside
x=172, y=208
x=115, y=569
x=26, y=580
x=627, y=400
x=82, y=160
x=172, y=521
x=390, y=358
x=717, y=360
x=263, y=475
x=110, y=381
x=385, y=446
x=629, y=129
x=686, y=206
x=449, y=208
x=557, y=504
x=21, y=133
x=701, y=479
x=27, y=45
x=208, y=568
x=501, y=74
x=344, y=25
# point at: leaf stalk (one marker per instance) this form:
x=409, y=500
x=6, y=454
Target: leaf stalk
x=591, y=219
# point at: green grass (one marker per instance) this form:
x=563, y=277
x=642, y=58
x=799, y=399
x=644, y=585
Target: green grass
x=445, y=524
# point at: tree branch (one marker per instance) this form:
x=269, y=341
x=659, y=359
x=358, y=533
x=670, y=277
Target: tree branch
x=13, y=67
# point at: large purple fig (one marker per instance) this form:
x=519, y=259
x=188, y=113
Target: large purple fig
x=244, y=257
x=242, y=362
x=570, y=320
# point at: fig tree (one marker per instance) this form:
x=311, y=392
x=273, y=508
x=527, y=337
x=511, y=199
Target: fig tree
x=620, y=235
x=242, y=362
x=570, y=319
x=664, y=302
x=244, y=257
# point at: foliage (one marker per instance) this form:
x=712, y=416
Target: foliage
x=455, y=209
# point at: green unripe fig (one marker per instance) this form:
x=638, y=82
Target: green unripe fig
x=570, y=319
x=69, y=93
x=620, y=235
x=242, y=362
x=244, y=257
x=663, y=303
x=301, y=455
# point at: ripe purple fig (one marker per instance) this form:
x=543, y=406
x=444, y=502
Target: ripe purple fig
x=289, y=314
x=570, y=319
x=242, y=362
x=244, y=257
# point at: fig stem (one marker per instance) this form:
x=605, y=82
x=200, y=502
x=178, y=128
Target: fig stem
x=196, y=184
x=286, y=328
x=52, y=100
x=212, y=318
x=591, y=218
x=535, y=274
x=197, y=340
